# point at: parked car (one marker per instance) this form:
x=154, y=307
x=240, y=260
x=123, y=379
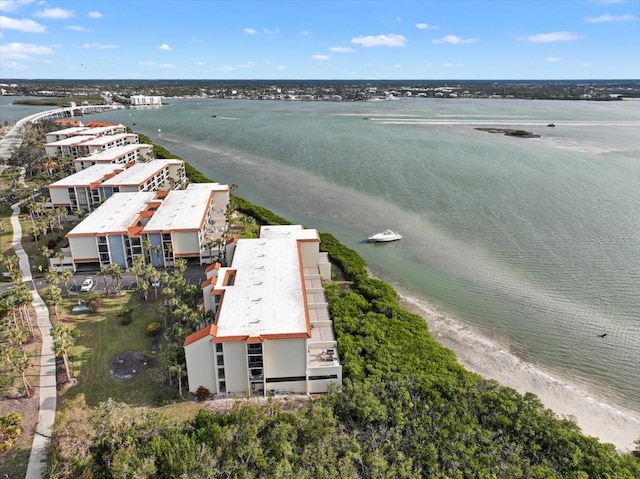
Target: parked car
x=154, y=282
x=87, y=285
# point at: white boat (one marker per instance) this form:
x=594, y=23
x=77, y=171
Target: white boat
x=387, y=235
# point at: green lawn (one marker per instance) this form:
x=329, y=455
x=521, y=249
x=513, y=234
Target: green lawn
x=103, y=337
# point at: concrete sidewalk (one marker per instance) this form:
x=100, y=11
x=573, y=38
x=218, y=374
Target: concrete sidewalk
x=47, y=384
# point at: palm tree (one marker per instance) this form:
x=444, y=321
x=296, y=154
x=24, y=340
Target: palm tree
x=115, y=270
x=137, y=268
x=21, y=365
x=104, y=271
x=66, y=275
x=62, y=343
x=22, y=298
x=61, y=211
x=53, y=295
x=11, y=263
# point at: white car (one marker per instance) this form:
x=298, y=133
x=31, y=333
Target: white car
x=87, y=285
x=154, y=282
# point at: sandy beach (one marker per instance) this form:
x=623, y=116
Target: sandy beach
x=610, y=423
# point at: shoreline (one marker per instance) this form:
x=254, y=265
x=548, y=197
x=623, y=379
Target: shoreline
x=596, y=417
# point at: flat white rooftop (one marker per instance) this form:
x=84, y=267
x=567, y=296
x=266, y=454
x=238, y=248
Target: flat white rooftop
x=138, y=173
x=184, y=209
x=101, y=140
x=72, y=140
x=102, y=130
x=114, y=215
x=115, y=152
x=74, y=130
x=288, y=232
x=266, y=297
x=87, y=176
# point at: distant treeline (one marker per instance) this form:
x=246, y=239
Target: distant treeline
x=355, y=89
x=60, y=101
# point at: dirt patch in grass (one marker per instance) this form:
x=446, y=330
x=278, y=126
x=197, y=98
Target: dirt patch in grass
x=128, y=364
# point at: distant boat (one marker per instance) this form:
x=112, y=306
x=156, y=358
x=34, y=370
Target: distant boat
x=214, y=115
x=385, y=236
x=551, y=125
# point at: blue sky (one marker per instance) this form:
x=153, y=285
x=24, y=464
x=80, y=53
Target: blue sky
x=209, y=39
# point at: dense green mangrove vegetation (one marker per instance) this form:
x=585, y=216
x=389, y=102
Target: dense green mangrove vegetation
x=407, y=409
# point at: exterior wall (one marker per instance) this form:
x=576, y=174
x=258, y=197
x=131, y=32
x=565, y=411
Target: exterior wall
x=285, y=358
x=59, y=196
x=116, y=250
x=201, y=365
x=309, y=253
x=83, y=247
x=235, y=363
x=156, y=240
x=186, y=242
x=129, y=189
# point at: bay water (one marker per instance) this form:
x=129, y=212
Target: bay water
x=534, y=242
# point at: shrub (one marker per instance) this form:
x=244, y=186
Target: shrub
x=94, y=305
x=154, y=328
x=202, y=394
x=9, y=430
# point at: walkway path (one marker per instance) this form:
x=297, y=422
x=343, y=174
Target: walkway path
x=47, y=389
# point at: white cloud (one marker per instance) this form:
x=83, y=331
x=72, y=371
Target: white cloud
x=320, y=57
x=165, y=47
x=250, y=31
x=451, y=65
x=454, y=40
x=23, y=50
x=550, y=37
x=342, y=49
x=99, y=46
x=246, y=65
x=397, y=66
x=24, y=25
x=13, y=5
x=14, y=65
x=305, y=33
x=607, y=17
x=226, y=68
x=95, y=15
x=275, y=31
x=77, y=28
x=154, y=64
x=200, y=63
x=390, y=40
x=554, y=59
x=55, y=13
x=426, y=26
x=280, y=68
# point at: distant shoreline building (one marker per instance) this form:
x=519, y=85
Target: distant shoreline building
x=144, y=100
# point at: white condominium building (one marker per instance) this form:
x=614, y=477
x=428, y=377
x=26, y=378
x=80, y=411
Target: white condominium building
x=272, y=332
x=89, y=188
x=177, y=224
x=120, y=155
x=85, y=145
